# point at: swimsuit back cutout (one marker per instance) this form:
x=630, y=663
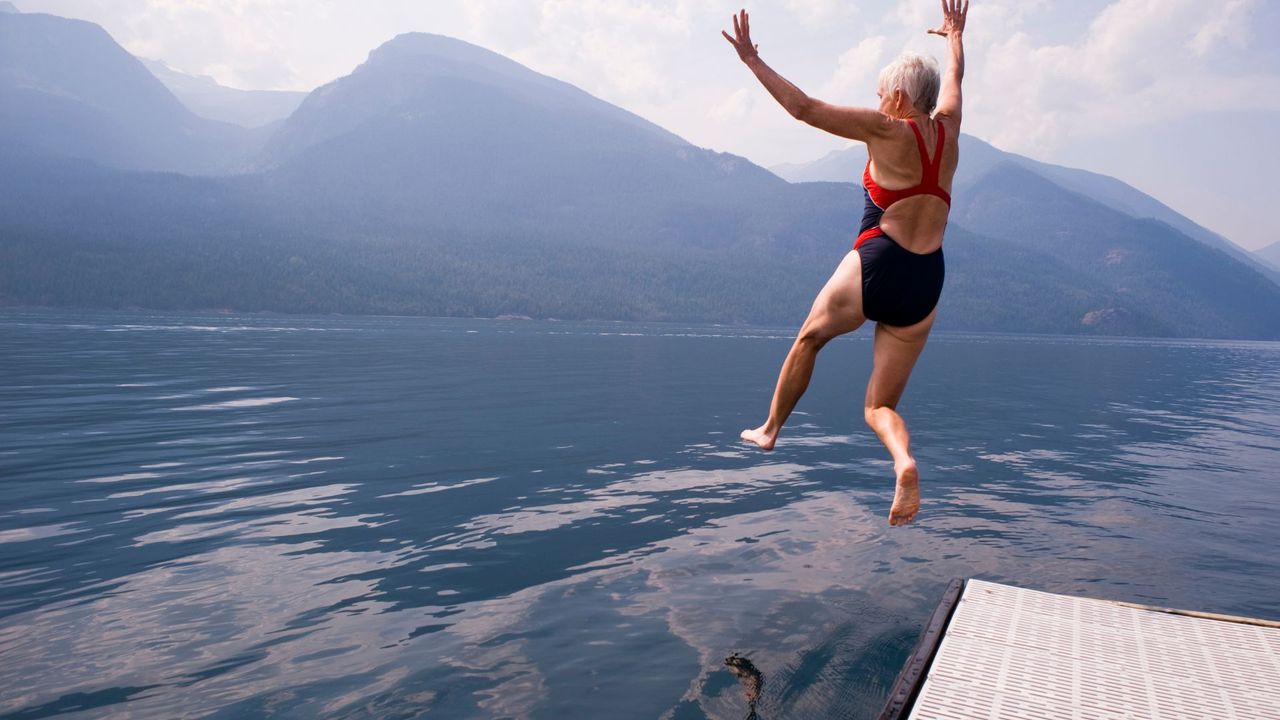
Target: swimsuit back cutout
x=879, y=199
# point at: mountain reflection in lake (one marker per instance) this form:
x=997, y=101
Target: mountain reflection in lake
x=383, y=518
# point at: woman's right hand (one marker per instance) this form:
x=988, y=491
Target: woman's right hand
x=742, y=41
x=953, y=17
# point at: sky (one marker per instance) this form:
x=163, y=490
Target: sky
x=1179, y=98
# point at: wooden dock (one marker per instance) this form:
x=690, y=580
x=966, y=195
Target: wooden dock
x=995, y=652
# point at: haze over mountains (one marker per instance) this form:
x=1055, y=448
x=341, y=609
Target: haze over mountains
x=66, y=88
x=980, y=158
x=206, y=98
x=442, y=179
x=1271, y=254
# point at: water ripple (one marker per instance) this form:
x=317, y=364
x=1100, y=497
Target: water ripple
x=382, y=517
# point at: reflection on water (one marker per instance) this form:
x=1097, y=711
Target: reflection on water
x=383, y=517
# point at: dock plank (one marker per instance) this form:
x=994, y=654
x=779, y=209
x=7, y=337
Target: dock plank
x=1014, y=654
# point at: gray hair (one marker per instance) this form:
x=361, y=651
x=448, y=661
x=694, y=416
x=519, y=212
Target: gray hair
x=918, y=77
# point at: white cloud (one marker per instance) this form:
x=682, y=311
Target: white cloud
x=1140, y=63
x=626, y=52
x=233, y=41
x=857, y=70
x=917, y=14
x=825, y=13
x=737, y=107
x=1231, y=24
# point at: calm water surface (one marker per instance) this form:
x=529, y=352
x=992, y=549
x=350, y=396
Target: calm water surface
x=241, y=517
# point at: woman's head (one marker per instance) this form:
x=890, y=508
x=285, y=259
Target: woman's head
x=917, y=77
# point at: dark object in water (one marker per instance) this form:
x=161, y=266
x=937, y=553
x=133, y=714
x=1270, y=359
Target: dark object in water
x=751, y=678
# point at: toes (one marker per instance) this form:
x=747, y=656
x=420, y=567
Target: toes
x=898, y=519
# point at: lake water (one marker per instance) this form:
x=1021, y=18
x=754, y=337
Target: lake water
x=247, y=516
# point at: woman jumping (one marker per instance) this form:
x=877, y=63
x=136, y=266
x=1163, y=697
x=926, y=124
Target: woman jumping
x=893, y=276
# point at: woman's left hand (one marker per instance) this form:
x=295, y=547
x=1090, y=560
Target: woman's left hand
x=742, y=42
x=953, y=18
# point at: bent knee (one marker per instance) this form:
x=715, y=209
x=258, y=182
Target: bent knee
x=870, y=412
x=815, y=335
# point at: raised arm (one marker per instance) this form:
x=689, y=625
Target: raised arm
x=953, y=19
x=854, y=123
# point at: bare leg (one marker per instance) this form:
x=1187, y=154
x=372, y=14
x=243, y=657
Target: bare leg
x=896, y=352
x=836, y=311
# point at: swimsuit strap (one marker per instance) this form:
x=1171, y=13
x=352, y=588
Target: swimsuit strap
x=924, y=152
x=931, y=171
x=937, y=153
x=932, y=168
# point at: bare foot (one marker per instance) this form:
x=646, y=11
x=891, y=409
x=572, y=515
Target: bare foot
x=906, y=498
x=760, y=437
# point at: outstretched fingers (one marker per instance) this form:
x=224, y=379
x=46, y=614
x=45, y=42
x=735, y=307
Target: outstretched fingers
x=953, y=17
x=941, y=30
x=736, y=39
x=742, y=27
x=741, y=39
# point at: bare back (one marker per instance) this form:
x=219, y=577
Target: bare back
x=916, y=223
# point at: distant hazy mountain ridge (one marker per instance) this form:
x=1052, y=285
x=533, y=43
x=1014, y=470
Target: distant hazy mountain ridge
x=438, y=136
x=66, y=88
x=206, y=98
x=1152, y=275
x=406, y=74
x=439, y=178
x=979, y=157
x=1270, y=254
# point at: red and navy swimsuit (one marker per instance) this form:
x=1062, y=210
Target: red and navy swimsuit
x=900, y=287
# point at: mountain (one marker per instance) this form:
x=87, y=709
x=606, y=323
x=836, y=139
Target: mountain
x=979, y=157
x=1160, y=278
x=1270, y=254
x=403, y=74
x=836, y=166
x=206, y=98
x=74, y=234
x=67, y=88
x=442, y=179
x=8, y=7
x=440, y=135
x=79, y=235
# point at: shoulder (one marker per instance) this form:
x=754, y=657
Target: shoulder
x=896, y=134
x=949, y=120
